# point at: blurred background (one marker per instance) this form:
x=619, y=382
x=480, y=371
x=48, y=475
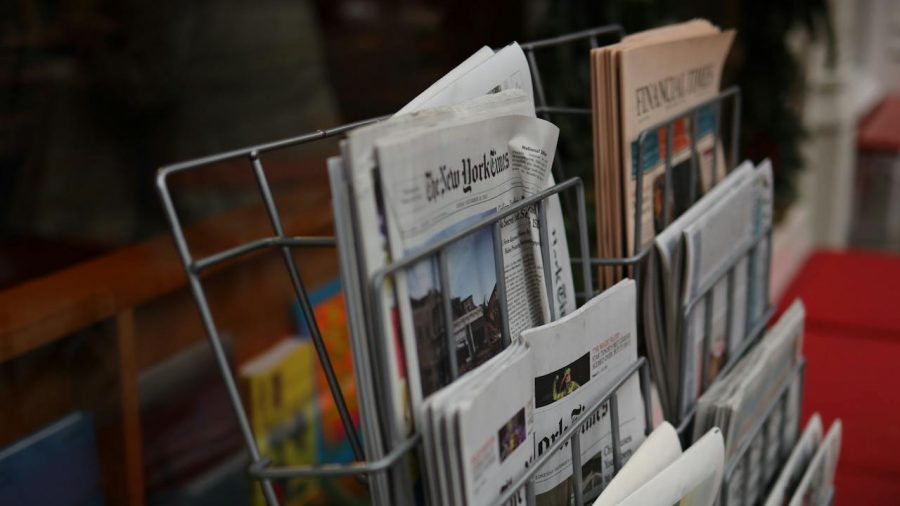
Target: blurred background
x=103, y=359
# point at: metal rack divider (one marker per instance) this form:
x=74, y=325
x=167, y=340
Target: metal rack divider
x=260, y=466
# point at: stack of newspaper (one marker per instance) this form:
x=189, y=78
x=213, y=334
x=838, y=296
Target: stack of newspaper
x=762, y=391
x=460, y=152
x=577, y=360
x=808, y=475
x=478, y=433
x=712, y=259
x=660, y=474
x=648, y=78
x=482, y=432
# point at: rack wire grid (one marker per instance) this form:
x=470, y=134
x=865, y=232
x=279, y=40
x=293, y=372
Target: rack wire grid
x=736, y=480
x=394, y=458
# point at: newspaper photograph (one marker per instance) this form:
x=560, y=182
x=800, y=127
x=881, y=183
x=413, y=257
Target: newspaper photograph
x=578, y=357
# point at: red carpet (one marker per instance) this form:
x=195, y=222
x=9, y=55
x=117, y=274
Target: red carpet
x=852, y=347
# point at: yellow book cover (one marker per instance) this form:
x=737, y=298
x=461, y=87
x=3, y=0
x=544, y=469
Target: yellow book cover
x=278, y=388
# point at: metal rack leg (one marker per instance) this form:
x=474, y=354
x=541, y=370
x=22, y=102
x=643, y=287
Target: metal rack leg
x=306, y=308
x=214, y=341
x=230, y=385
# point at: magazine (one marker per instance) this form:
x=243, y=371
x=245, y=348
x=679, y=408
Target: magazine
x=578, y=358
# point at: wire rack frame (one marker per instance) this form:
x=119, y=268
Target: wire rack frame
x=194, y=267
x=260, y=466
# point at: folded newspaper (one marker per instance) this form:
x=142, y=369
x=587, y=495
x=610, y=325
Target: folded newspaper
x=817, y=484
x=712, y=257
x=636, y=84
x=480, y=430
x=661, y=448
x=660, y=474
x=797, y=463
x=577, y=359
x=762, y=391
x=401, y=351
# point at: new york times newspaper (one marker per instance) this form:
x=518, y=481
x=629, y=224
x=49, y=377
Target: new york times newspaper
x=436, y=182
x=493, y=424
x=577, y=358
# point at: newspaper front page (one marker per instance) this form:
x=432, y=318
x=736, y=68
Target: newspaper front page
x=361, y=164
x=494, y=428
x=437, y=182
x=660, y=81
x=444, y=478
x=483, y=73
x=577, y=359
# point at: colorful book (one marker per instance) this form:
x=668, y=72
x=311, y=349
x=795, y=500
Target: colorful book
x=332, y=444
x=278, y=388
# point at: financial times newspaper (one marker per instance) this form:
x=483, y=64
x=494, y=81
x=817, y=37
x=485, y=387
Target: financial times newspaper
x=437, y=182
x=660, y=81
x=577, y=358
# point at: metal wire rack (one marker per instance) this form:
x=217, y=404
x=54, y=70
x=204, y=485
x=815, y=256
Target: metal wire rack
x=394, y=463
